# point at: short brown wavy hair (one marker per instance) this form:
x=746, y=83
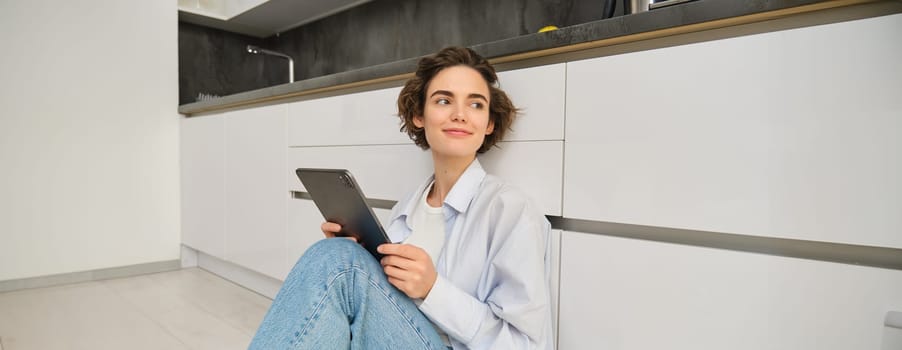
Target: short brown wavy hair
x=412, y=100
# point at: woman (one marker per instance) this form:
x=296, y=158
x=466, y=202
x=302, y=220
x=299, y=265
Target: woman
x=472, y=271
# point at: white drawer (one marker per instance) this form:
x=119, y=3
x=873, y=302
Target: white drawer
x=364, y=118
x=383, y=171
x=539, y=93
x=370, y=118
x=533, y=166
x=391, y=171
x=618, y=293
x=762, y=137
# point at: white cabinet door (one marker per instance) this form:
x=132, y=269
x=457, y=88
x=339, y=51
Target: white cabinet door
x=619, y=293
x=534, y=167
x=793, y=134
x=392, y=171
x=555, y=281
x=370, y=118
x=302, y=230
x=202, y=152
x=383, y=171
x=364, y=118
x=255, y=189
x=303, y=222
x=539, y=93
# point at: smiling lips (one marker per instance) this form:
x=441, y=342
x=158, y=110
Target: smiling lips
x=457, y=132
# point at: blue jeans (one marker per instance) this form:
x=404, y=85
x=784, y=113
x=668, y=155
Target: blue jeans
x=337, y=297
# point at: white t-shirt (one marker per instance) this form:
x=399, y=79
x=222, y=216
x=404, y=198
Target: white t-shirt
x=428, y=228
x=429, y=234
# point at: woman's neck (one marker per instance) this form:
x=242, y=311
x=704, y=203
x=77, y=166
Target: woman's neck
x=447, y=171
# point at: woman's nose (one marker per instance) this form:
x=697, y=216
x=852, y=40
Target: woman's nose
x=459, y=114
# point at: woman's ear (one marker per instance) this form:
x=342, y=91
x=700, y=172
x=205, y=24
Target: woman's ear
x=418, y=121
x=491, y=128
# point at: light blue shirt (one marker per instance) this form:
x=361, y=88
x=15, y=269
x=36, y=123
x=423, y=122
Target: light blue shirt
x=492, y=290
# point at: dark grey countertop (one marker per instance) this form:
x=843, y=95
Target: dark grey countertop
x=658, y=20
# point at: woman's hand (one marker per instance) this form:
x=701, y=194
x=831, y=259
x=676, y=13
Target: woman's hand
x=331, y=229
x=409, y=268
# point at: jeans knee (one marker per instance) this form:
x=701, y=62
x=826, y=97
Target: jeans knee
x=336, y=251
x=337, y=245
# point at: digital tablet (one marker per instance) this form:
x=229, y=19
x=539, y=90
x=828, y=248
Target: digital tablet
x=341, y=201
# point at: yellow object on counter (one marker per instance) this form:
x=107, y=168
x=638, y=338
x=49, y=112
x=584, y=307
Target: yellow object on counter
x=547, y=29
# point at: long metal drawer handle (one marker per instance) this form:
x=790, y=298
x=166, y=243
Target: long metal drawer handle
x=854, y=254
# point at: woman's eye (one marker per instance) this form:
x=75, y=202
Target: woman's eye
x=442, y=101
x=477, y=105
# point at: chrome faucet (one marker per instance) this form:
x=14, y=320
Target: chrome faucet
x=258, y=51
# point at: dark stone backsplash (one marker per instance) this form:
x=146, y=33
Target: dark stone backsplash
x=215, y=62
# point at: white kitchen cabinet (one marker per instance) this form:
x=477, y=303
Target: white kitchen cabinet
x=202, y=152
x=254, y=189
x=303, y=229
x=619, y=293
x=539, y=93
x=383, y=171
x=370, y=117
x=792, y=134
x=347, y=134
x=363, y=118
x=532, y=166
x=555, y=277
x=391, y=171
x=233, y=193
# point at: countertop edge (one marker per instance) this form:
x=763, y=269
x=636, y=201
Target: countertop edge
x=685, y=18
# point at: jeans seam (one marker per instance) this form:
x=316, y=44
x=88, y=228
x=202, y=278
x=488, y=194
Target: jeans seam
x=372, y=282
x=398, y=308
x=319, y=305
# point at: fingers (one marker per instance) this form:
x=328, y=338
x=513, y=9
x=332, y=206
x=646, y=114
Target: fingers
x=409, y=268
x=408, y=282
x=415, y=285
x=404, y=250
x=330, y=229
x=398, y=284
x=399, y=274
x=402, y=263
x=405, y=256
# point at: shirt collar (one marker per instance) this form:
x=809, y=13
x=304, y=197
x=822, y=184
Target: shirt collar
x=460, y=196
x=466, y=187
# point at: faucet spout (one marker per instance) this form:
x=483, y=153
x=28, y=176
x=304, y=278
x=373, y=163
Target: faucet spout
x=254, y=50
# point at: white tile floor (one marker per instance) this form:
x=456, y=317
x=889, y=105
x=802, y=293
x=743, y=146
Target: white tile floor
x=185, y=309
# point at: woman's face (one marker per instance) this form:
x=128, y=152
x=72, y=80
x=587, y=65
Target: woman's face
x=456, y=113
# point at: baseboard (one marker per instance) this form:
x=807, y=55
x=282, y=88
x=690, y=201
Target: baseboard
x=87, y=276
x=255, y=281
x=189, y=257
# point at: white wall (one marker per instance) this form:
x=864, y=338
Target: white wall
x=88, y=135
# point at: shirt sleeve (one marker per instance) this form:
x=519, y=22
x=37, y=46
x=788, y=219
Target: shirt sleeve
x=516, y=313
